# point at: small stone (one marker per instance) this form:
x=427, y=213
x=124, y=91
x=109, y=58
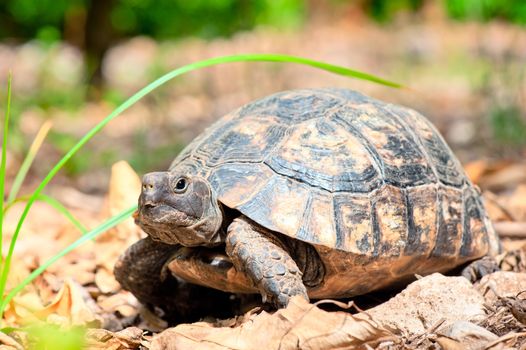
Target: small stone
x=428, y=300
x=468, y=334
x=504, y=283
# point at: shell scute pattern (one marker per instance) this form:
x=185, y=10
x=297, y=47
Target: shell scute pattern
x=292, y=107
x=337, y=160
x=447, y=167
x=353, y=223
x=316, y=228
x=475, y=234
x=389, y=213
x=421, y=219
x=279, y=205
x=449, y=222
x=346, y=173
x=399, y=157
x=249, y=141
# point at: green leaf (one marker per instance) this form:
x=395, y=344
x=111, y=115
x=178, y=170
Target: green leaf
x=3, y=166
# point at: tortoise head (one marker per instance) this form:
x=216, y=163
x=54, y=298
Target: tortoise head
x=177, y=208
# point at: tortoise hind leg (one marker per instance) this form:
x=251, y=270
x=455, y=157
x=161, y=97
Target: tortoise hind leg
x=477, y=269
x=262, y=257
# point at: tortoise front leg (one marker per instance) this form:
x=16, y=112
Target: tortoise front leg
x=262, y=257
x=143, y=270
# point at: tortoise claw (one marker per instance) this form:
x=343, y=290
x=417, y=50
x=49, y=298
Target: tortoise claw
x=480, y=268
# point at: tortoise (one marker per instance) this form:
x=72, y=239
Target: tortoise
x=321, y=193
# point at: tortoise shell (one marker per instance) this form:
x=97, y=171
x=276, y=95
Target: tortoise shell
x=372, y=186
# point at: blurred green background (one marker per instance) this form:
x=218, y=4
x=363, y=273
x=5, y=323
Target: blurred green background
x=75, y=60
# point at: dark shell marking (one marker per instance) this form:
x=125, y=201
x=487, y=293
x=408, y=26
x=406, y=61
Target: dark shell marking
x=365, y=182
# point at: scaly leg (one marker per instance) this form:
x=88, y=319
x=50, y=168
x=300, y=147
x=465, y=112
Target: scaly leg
x=142, y=270
x=477, y=269
x=263, y=258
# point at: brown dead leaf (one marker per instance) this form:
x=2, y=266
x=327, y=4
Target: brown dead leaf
x=449, y=344
x=123, y=302
x=300, y=326
x=124, y=189
x=21, y=309
x=476, y=169
x=69, y=307
x=8, y=343
x=507, y=177
x=464, y=335
x=105, y=280
x=80, y=266
x=18, y=271
x=517, y=203
x=511, y=229
x=496, y=210
x=129, y=338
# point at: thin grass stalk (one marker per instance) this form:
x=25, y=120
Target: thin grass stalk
x=55, y=204
x=28, y=160
x=149, y=88
x=115, y=220
x=3, y=166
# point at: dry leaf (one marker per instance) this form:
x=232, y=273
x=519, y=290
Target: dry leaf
x=8, y=343
x=124, y=303
x=464, y=335
x=70, y=307
x=79, y=266
x=496, y=210
x=124, y=189
x=105, y=280
x=21, y=310
x=506, y=177
x=517, y=203
x=129, y=338
x=476, y=169
x=300, y=326
x=449, y=344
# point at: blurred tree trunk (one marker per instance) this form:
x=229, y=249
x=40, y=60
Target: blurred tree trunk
x=99, y=36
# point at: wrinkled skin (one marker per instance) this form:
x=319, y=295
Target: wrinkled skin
x=178, y=210
x=186, y=216
x=142, y=269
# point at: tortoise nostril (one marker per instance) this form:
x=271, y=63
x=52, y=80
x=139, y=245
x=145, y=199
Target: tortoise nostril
x=152, y=181
x=149, y=205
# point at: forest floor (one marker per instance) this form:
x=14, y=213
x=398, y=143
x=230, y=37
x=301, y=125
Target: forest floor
x=437, y=312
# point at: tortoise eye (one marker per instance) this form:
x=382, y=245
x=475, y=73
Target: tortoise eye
x=181, y=185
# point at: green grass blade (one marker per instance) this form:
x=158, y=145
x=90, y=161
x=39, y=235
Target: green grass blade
x=3, y=165
x=53, y=203
x=28, y=160
x=308, y=62
x=149, y=88
x=88, y=236
x=61, y=209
